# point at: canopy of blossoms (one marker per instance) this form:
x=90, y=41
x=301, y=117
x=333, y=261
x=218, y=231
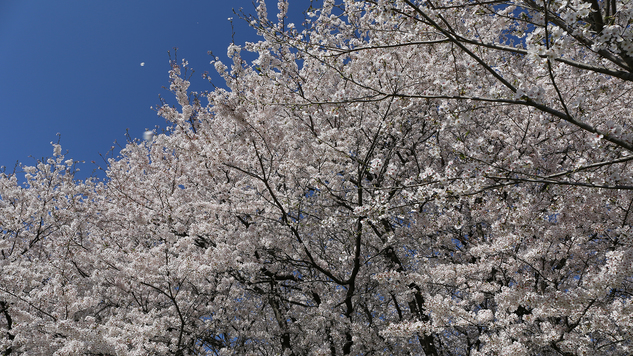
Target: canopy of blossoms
x=390, y=177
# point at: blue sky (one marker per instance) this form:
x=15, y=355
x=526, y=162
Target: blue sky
x=73, y=67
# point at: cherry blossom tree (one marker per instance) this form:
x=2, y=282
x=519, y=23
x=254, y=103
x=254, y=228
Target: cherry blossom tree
x=392, y=177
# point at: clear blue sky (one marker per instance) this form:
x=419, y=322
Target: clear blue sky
x=73, y=67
